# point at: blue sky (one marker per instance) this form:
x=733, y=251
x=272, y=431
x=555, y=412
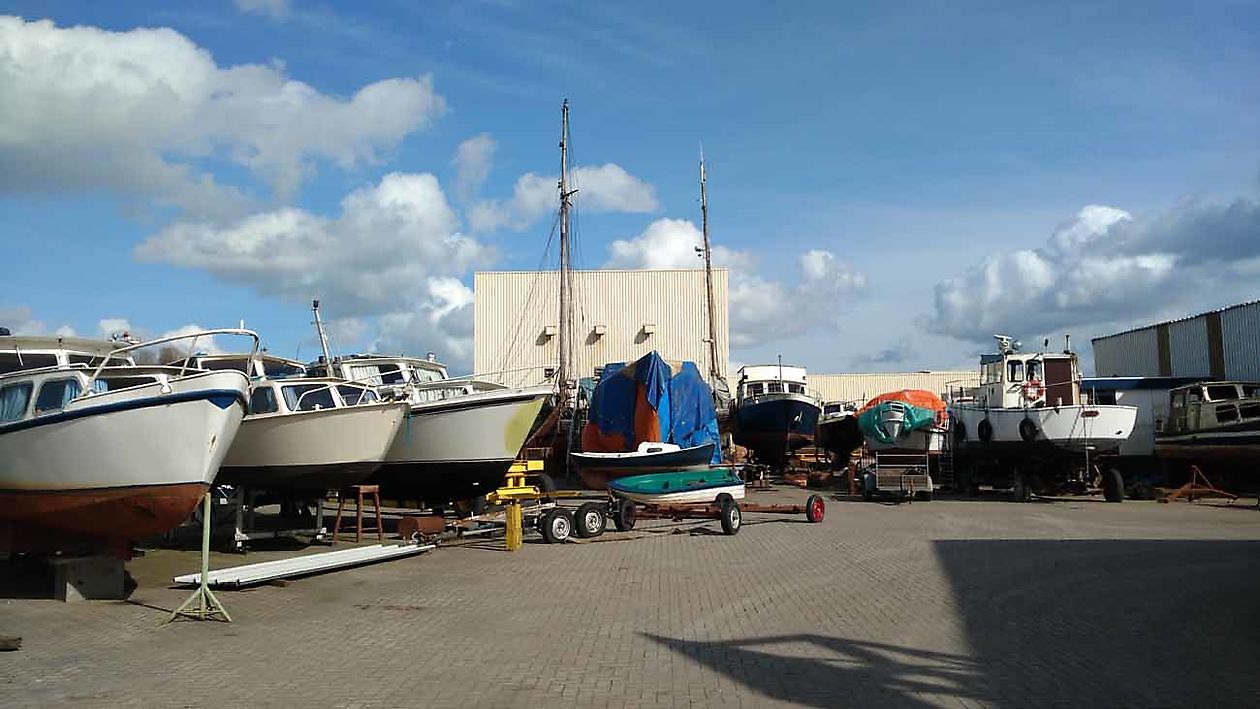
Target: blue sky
x=889, y=185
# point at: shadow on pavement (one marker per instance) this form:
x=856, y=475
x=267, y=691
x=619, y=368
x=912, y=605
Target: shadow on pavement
x=822, y=671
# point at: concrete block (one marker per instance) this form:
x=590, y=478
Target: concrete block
x=82, y=578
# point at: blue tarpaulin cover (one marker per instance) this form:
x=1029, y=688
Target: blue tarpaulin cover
x=651, y=399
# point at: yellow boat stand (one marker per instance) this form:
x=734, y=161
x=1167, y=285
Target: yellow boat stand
x=515, y=491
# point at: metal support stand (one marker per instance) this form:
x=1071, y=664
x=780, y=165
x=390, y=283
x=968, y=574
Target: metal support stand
x=515, y=527
x=1199, y=486
x=202, y=604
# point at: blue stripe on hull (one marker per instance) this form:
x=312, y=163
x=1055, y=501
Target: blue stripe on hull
x=222, y=398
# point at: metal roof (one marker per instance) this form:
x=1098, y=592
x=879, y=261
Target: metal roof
x=1176, y=320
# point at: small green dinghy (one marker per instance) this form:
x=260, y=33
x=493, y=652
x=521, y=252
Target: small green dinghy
x=679, y=487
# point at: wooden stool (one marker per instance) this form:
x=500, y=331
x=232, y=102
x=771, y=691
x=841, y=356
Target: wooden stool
x=359, y=491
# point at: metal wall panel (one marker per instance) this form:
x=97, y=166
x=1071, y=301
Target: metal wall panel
x=1240, y=336
x=512, y=308
x=1188, y=345
x=862, y=387
x=1129, y=354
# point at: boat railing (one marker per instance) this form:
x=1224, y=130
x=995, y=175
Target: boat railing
x=131, y=347
x=297, y=405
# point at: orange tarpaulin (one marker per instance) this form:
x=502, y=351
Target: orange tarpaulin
x=916, y=397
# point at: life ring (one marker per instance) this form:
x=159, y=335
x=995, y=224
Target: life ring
x=984, y=430
x=1034, y=390
x=1028, y=430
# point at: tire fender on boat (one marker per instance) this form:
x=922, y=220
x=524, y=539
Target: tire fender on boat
x=984, y=430
x=1028, y=430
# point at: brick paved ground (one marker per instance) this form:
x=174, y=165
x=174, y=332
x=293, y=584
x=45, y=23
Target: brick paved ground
x=951, y=602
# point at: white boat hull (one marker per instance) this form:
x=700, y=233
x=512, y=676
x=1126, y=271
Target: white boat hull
x=685, y=497
x=1066, y=428
x=461, y=447
x=320, y=449
x=122, y=464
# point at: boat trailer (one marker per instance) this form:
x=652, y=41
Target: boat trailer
x=625, y=513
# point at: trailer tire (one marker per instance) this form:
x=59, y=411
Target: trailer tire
x=984, y=430
x=1028, y=430
x=589, y=521
x=730, y=517
x=723, y=498
x=556, y=526
x=815, y=508
x=1113, y=485
x=624, y=515
x=545, y=482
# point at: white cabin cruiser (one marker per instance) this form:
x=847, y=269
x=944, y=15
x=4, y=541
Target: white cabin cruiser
x=1028, y=414
x=96, y=456
x=461, y=434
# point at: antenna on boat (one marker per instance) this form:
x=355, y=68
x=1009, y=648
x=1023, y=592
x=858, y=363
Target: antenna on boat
x=566, y=315
x=714, y=371
x=323, y=337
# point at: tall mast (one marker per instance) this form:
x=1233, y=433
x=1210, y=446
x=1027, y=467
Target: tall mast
x=714, y=372
x=323, y=337
x=562, y=371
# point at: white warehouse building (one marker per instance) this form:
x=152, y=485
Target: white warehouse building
x=618, y=315
x=1220, y=344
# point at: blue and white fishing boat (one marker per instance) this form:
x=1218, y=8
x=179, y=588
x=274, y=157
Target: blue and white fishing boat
x=679, y=487
x=774, y=413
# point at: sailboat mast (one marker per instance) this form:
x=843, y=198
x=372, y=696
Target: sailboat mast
x=323, y=337
x=562, y=371
x=714, y=372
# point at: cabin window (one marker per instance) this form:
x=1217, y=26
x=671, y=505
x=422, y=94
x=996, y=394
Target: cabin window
x=308, y=397
x=13, y=401
x=353, y=396
x=992, y=372
x=54, y=395
x=116, y=383
x=390, y=374
x=1034, y=370
x=279, y=370
x=240, y=365
x=262, y=400
x=754, y=390
x=1015, y=371
x=774, y=388
x=1226, y=412
x=796, y=388
x=1250, y=390
x=1248, y=411
x=12, y=361
x=427, y=375
x=1222, y=392
x=94, y=361
x=1193, y=397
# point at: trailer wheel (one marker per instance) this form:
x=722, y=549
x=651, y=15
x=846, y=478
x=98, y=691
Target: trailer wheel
x=730, y=517
x=556, y=526
x=722, y=499
x=1022, y=489
x=590, y=520
x=624, y=515
x=1113, y=485
x=815, y=508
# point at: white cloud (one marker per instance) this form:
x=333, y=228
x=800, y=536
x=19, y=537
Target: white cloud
x=393, y=252
x=21, y=321
x=109, y=327
x=277, y=9
x=136, y=113
x=606, y=188
x=473, y=160
x=1106, y=269
x=761, y=310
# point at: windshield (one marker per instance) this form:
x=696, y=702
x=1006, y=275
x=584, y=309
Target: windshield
x=308, y=397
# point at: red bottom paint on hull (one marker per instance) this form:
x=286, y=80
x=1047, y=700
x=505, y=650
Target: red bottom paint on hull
x=111, y=518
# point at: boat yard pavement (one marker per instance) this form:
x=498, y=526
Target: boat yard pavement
x=956, y=603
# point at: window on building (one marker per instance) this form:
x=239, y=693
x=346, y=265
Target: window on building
x=262, y=400
x=55, y=394
x=13, y=401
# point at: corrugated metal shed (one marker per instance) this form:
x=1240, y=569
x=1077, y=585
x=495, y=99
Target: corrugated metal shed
x=1188, y=348
x=862, y=387
x=1219, y=344
x=1240, y=341
x=1135, y=353
x=619, y=315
